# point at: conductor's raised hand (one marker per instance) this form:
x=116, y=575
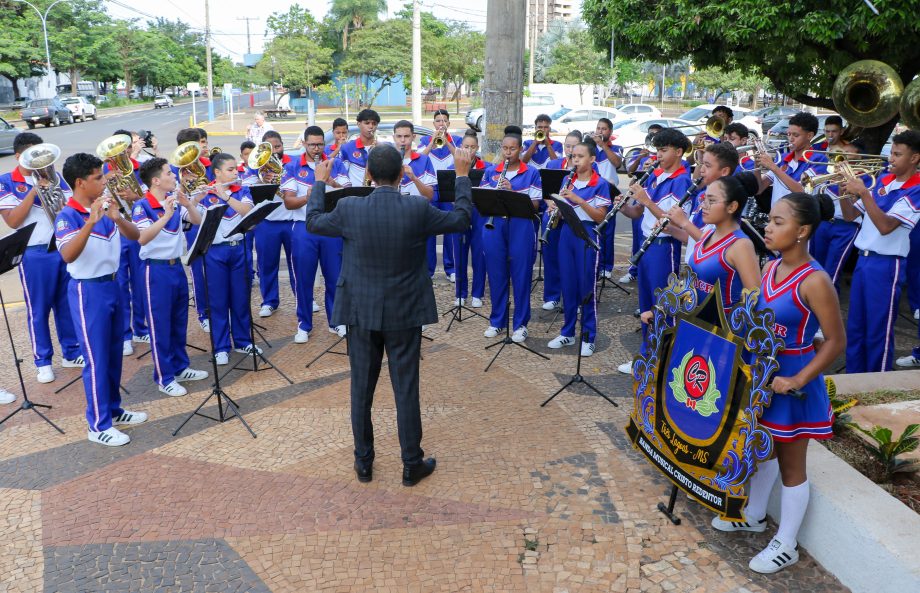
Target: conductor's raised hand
x=462, y=161
x=323, y=170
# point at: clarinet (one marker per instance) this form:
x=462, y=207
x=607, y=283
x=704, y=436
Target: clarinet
x=553, y=220
x=490, y=222
x=663, y=223
x=622, y=202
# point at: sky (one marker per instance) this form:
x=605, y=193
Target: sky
x=229, y=33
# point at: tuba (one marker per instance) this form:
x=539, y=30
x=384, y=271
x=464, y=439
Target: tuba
x=40, y=159
x=263, y=162
x=910, y=105
x=185, y=157
x=214, y=151
x=114, y=152
x=867, y=93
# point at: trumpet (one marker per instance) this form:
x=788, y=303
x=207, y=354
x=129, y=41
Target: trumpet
x=439, y=140
x=186, y=157
x=663, y=223
x=490, y=222
x=114, y=152
x=264, y=162
x=539, y=136
x=843, y=172
x=554, y=219
x=40, y=159
x=759, y=147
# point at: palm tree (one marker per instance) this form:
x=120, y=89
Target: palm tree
x=354, y=14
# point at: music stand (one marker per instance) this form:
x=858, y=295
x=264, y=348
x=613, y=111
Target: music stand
x=246, y=225
x=199, y=248
x=12, y=247
x=574, y=223
x=447, y=193
x=509, y=204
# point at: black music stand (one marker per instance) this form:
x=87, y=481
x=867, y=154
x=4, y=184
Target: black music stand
x=447, y=193
x=509, y=204
x=574, y=223
x=246, y=225
x=12, y=246
x=550, y=182
x=199, y=248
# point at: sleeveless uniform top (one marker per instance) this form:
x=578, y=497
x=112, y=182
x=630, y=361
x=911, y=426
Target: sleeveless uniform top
x=709, y=263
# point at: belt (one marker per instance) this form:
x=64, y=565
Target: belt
x=867, y=253
x=227, y=244
x=106, y=278
x=39, y=247
x=163, y=262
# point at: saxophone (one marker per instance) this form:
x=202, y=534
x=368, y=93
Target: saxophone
x=490, y=222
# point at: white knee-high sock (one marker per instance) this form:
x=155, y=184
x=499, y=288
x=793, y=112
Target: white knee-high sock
x=759, y=490
x=793, y=504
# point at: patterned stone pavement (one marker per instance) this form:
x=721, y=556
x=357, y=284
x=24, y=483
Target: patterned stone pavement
x=524, y=498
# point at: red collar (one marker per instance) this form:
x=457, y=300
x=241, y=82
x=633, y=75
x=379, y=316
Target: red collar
x=677, y=172
x=595, y=179
x=154, y=202
x=232, y=188
x=913, y=181
x=303, y=159
x=480, y=164
x=805, y=155
x=18, y=176
x=73, y=203
x=359, y=144
x=332, y=148
x=413, y=155
x=285, y=159
x=521, y=168
x=135, y=164
x=204, y=161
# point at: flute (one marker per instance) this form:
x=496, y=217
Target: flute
x=622, y=202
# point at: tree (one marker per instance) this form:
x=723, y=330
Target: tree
x=296, y=21
x=379, y=54
x=21, y=48
x=77, y=35
x=724, y=81
x=299, y=59
x=457, y=57
x=575, y=61
x=799, y=46
x=352, y=15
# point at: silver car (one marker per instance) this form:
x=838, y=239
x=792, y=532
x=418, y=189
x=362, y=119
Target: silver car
x=7, y=135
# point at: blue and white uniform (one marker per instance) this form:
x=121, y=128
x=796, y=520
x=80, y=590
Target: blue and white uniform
x=96, y=307
x=710, y=264
x=442, y=159
x=636, y=223
x=190, y=234
x=514, y=239
x=423, y=168
x=608, y=171
x=468, y=249
x=796, y=169
x=165, y=288
x=578, y=264
x=43, y=275
x=249, y=177
x=311, y=250
x=540, y=156
x=270, y=235
x=789, y=418
x=879, y=275
x=354, y=156
x=552, y=282
x=696, y=219
x=228, y=293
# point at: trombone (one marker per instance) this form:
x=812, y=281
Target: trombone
x=843, y=172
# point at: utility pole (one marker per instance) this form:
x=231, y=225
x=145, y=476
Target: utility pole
x=532, y=36
x=44, y=20
x=416, y=63
x=247, y=19
x=207, y=54
x=503, y=94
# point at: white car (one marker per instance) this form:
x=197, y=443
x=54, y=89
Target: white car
x=630, y=134
x=701, y=113
x=533, y=106
x=80, y=107
x=162, y=101
x=582, y=118
x=638, y=111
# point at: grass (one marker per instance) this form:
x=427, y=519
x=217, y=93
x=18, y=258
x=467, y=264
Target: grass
x=887, y=396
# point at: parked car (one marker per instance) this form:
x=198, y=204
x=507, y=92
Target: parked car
x=162, y=101
x=638, y=111
x=534, y=105
x=582, y=118
x=80, y=107
x=7, y=133
x=701, y=113
x=630, y=134
x=770, y=116
x=20, y=102
x=50, y=112
x=777, y=134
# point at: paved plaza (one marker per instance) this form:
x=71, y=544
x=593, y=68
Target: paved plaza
x=524, y=498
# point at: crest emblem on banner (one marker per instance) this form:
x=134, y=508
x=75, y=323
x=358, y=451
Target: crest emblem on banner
x=700, y=390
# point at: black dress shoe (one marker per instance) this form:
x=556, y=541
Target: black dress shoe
x=365, y=472
x=413, y=474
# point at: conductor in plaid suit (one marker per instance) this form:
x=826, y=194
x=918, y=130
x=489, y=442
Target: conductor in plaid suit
x=384, y=294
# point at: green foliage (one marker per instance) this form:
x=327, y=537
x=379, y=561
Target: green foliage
x=22, y=51
x=299, y=61
x=297, y=21
x=887, y=451
x=379, y=54
x=457, y=57
x=78, y=34
x=575, y=61
x=352, y=15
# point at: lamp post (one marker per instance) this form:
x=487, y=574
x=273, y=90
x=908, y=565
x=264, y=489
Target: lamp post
x=44, y=20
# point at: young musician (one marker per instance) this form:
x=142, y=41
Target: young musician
x=833, y=132
x=271, y=234
x=890, y=211
x=159, y=216
x=803, y=298
x=43, y=274
x=246, y=148
x=552, y=283
x=537, y=154
x=511, y=238
x=737, y=134
x=589, y=195
x=226, y=263
x=663, y=189
x=88, y=231
x=468, y=246
x=130, y=270
x=419, y=178
x=248, y=177
x=353, y=154
x=637, y=167
x=785, y=176
x=339, y=135
x=310, y=250
x=203, y=140
x=441, y=159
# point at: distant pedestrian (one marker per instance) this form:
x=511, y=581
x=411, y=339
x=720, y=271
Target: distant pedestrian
x=258, y=128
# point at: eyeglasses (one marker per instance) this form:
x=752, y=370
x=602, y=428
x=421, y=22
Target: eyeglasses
x=707, y=203
x=320, y=145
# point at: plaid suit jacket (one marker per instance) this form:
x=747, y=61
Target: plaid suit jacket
x=384, y=283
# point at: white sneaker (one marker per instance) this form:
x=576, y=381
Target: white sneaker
x=315, y=307
x=587, y=348
x=173, y=390
x=222, y=358
x=249, y=349
x=266, y=311
x=459, y=302
x=301, y=337
x=141, y=339
x=475, y=303
x=756, y=526
x=908, y=362
x=127, y=418
x=775, y=557
x=339, y=330
x=626, y=278
x=205, y=325
x=917, y=314
x=6, y=397
x=452, y=277
x=550, y=305
x=519, y=335
x=607, y=274
x=127, y=349
x=560, y=341
x=191, y=374
x=626, y=368
x=111, y=437
x=491, y=332
x=76, y=363
x=45, y=374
